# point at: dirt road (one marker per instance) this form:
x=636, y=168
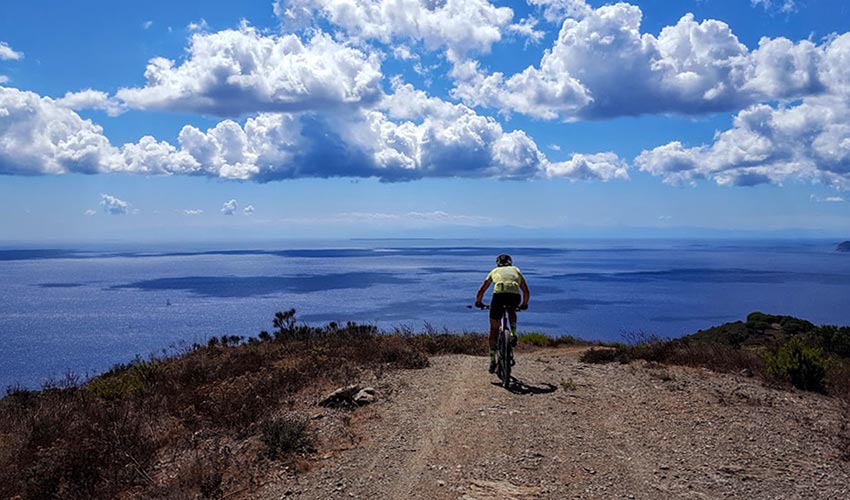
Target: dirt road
x=574, y=430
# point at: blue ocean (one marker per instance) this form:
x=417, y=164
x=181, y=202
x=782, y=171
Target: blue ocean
x=82, y=310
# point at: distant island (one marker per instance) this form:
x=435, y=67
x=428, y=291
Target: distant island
x=843, y=247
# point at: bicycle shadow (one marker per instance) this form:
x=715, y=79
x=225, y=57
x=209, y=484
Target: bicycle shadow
x=518, y=386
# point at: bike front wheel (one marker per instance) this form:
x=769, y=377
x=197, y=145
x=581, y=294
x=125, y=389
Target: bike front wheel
x=505, y=354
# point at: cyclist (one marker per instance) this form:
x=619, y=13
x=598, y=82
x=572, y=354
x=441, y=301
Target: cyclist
x=507, y=282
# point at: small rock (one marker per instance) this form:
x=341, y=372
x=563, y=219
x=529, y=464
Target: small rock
x=441, y=483
x=341, y=397
x=365, y=396
x=746, y=372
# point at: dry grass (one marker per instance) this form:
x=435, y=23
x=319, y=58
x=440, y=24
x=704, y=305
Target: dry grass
x=103, y=438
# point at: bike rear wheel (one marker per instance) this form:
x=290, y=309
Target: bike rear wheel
x=505, y=354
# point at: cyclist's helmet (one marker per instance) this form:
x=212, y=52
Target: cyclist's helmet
x=504, y=260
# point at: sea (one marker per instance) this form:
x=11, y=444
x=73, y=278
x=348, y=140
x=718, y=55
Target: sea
x=75, y=312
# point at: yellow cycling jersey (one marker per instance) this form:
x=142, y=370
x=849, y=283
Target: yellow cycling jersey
x=506, y=279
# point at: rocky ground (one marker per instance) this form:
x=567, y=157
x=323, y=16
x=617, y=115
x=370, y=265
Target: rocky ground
x=574, y=430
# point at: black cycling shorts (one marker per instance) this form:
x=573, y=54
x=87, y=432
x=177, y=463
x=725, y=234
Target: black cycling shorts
x=502, y=301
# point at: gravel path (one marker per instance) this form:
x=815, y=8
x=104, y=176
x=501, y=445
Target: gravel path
x=573, y=430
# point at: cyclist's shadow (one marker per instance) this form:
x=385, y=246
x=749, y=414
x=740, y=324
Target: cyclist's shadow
x=520, y=387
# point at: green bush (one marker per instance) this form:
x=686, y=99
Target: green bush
x=286, y=435
x=803, y=366
x=126, y=379
x=535, y=339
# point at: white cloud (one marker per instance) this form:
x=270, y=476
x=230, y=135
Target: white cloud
x=689, y=68
x=89, y=213
x=809, y=141
x=403, y=53
x=249, y=210
x=827, y=199
x=784, y=6
x=41, y=137
x=4, y=79
x=554, y=147
x=600, y=166
x=191, y=211
x=556, y=11
x=233, y=72
x=147, y=25
x=525, y=28
x=7, y=54
x=91, y=99
x=113, y=205
x=458, y=26
x=156, y=158
x=409, y=136
x=196, y=26
x=229, y=207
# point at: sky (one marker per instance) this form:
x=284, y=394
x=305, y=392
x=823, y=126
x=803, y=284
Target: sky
x=241, y=121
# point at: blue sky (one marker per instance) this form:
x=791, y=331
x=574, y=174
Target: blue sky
x=352, y=118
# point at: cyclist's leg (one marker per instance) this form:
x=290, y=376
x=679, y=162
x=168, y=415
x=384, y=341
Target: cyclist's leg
x=497, y=309
x=515, y=300
x=494, y=333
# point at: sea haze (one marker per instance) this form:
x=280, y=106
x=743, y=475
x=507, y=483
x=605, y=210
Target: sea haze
x=84, y=310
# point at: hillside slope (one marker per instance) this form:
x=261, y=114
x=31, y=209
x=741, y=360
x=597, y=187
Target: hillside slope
x=574, y=430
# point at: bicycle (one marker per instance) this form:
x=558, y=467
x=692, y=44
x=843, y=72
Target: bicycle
x=504, y=350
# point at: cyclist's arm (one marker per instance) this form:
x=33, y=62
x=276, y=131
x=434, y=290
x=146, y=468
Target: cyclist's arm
x=482, y=289
x=525, y=293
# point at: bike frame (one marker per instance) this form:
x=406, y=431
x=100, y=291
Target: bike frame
x=504, y=350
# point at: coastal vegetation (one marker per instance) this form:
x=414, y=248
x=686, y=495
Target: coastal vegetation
x=106, y=437
x=217, y=417
x=779, y=349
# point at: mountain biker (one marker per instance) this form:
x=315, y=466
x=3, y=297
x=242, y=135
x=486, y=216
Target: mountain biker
x=507, y=282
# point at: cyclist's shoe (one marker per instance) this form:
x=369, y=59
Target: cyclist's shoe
x=492, y=368
x=513, y=340
x=523, y=307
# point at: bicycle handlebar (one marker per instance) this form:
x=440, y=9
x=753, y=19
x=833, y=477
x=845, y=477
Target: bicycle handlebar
x=487, y=306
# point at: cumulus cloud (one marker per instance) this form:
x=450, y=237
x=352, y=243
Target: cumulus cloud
x=7, y=54
x=91, y=99
x=249, y=210
x=89, y=213
x=229, y=207
x=40, y=136
x=459, y=27
x=4, y=79
x=600, y=166
x=689, y=68
x=409, y=135
x=809, y=141
x=113, y=206
x=147, y=25
x=233, y=72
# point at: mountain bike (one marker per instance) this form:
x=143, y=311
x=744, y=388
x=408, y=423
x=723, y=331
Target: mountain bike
x=504, y=350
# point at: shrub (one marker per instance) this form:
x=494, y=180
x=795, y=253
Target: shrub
x=602, y=356
x=535, y=339
x=286, y=435
x=803, y=366
x=126, y=379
